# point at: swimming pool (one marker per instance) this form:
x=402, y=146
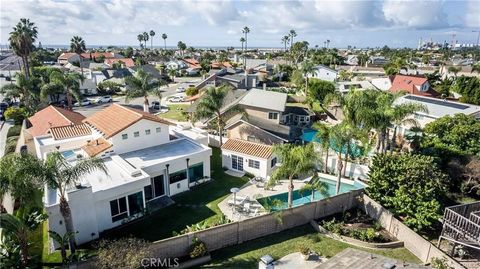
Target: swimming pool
x=280, y=201
x=68, y=154
x=310, y=135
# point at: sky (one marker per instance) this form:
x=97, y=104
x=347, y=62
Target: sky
x=218, y=23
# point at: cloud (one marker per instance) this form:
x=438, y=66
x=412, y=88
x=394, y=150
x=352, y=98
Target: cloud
x=472, y=16
x=416, y=15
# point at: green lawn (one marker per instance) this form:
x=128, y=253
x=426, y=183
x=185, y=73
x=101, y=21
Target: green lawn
x=163, y=223
x=175, y=113
x=278, y=245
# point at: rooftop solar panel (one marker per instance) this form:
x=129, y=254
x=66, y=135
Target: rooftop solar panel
x=436, y=102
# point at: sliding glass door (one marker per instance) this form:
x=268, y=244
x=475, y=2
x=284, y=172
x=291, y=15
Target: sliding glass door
x=155, y=189
x=237, y=162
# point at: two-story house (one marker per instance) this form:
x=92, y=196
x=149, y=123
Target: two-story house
x=413, y=85
x=145, y=166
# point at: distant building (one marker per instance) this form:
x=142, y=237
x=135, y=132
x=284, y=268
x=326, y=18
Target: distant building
x=377, y=61
x=324, y=73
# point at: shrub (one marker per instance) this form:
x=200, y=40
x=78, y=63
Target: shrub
x=14, y=130
x=11, y=144
x=438, y=263
x=191, y=91
x=122, y=253
x=108, y=87
x=198, y=248
x=17, y=114
x=333, y=226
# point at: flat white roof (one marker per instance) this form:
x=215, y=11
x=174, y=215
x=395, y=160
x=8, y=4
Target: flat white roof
x=265, y=99
x=438, y=108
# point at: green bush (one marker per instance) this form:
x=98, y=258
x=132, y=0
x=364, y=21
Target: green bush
x=333, y=226
x=198, y=248
x=11, y=144
x=17, y=114
x=14, y=130
x=191, y=91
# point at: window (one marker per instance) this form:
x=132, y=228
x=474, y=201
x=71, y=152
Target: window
x=254, y=164
x=136, y=134
x=273, y=162
x=237, y=162
x=118, y=209
x=147, y=132
x=158, y=130
x=272, y=115
x=195, y=172
x=135, y=203
x=124, y=136
x=178, y=176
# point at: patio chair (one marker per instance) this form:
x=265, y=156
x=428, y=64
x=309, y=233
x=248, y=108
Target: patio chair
x=246, y=207
x=238, y=201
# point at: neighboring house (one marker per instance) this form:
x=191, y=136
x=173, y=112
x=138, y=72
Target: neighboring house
x=245, y=156
x=352, y=60
x=345, y=86
x=383, y=84
x=88, y=86
x=412, y=85
x=192, y=63
x=176, y=65
x=324, y=73
x=377, y=61
x=437, y=108
x=68, y=57
x=145, y=165
x=124, y=62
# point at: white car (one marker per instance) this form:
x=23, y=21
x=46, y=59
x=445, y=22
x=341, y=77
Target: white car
x=104, y=99
x=181, y=89
x=177, y=99
x=84, y=102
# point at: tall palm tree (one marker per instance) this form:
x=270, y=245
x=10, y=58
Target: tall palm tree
x=140, y=39
x=68, y=83
x=164, y=37
x=295, y=161
x=18, y=227
x=245, y=31
x=285, y=40
x=152, y=34
x=292, y=35
x=314, y=185
x=145, y=39
x=308, y=68
x=210, y=106
x=21, y=41
x=142, y=85
x=77, y=45
x=24, y=89
x=323, y=135
x=242, y=40
x=61, y=176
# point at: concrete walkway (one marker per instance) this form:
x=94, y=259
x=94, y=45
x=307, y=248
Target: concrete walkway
x=296, y=261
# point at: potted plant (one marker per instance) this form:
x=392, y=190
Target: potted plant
x=305, y=251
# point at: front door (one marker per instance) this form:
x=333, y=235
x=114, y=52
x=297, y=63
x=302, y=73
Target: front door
x=237, y=162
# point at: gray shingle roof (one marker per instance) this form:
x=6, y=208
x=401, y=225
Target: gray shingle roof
x=265, y=99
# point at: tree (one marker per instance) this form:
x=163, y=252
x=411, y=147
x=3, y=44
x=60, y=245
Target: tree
x=145, y=39
x=285, y=40
x=292, y=35
x=21, y=41
x=323, y=136
x=142, y=85
x=245, y=31
x=140, y=39
x=409, y=185
x=24, y=89
x=242, y=40
x=316, y=184
x=17, y=114
x=172, y=73
x=126, y=253
x=77, y=45
x=297, y=78
x=469, y=88
x=191, y=91
x=164, y=37
x=152, y=34
x=67, y=83
x=454, y=70
x=62, y=241
x=308, y=68
x=17, y=229
x=298, y=51
x=317, y=92
x=60, y=174
x=181, y=46
x=476, y=68
x=295, y=161
x=210, y=105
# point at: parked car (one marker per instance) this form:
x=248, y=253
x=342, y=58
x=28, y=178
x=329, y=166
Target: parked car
x=84, y=102
x=176, y=99
x=104, y=99
x=155, y=105
x=181, y=89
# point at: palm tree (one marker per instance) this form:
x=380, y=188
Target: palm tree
x=316, y=184
x=141, y=85
x=61, y=175
x=323, y=135
x=62, y=241
x=140, y=39
x=18, y=227
x=152, y=34
x=328, y=43
x=210, y=106
x=77, y=45
x=242, y=40
x=21, y=41
x=145, y=39
x=172, y=73
x=24, y=89
x=285, y=40
x=164, y=37
x=292, y=35
x=245, y=31
x=308, y=68
x=295, y=161
x=68, y=83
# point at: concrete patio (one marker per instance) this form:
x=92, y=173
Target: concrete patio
x=253, y=193
x=296, y=261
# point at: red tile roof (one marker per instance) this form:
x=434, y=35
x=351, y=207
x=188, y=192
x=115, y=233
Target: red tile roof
x=411, y=84
x=88, y=55
x=97, y=146
x=52, y=116
x=221, y=65
x=128, y=62
x=66, y=55
x=248, y=148
x=192, y=63
x=69, y=131
x=115, y=118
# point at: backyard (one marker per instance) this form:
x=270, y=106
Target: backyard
x=175, y=113
x=248, y=254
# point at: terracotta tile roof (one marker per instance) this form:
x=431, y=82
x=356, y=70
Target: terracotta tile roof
x=248, y=148
x=128, y=62
x=410, y=84
x=93, y=55
x=52, y=116
x=97, y=146
x=69, y=131
x=192, y=63
x=221, y=65
x=66, y=55
x=115, y=118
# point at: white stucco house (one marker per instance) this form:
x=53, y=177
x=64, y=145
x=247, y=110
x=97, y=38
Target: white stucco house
x=324, y=73
x=250, y=157
x=145, y=162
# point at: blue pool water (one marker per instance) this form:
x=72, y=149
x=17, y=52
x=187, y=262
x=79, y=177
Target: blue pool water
x=280, y=201
x=68, y=154
x=309, y=135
